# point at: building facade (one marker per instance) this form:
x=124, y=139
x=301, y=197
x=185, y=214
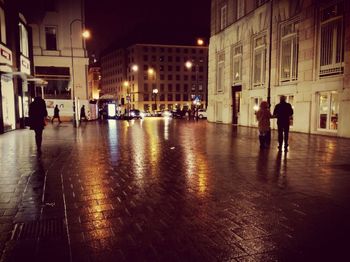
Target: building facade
x=60, y=56
x=113, y=73
x=155, y=77
x=15, y=67
x=260, y=50
x=94, y=82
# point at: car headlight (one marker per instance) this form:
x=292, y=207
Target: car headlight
x=132, y=114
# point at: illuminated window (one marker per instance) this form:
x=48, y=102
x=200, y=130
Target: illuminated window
x=331, y=40
x=255, y=105
x=259, y=58
x=328, y=111
x=289, y=52
x=237, y=63
x=51, y=38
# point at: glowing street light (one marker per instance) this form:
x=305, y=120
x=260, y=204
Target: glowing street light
x=134, y=68
x=200, y=41
x=155, y=92
x=151, y=71
x=86, y=34
x=188, y=64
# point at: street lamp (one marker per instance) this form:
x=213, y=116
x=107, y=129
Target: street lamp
x=155, y=92
x=85, y=34
x=135, y=68
x=126, y=85
x=200, y=41
x=196, y=101
x=152, y=75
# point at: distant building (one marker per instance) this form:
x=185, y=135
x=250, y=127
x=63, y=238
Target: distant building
x=94, y=82
x=309, y=62
x=155, y=77
x=113, y=73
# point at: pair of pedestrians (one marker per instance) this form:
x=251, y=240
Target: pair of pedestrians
x=283, y=112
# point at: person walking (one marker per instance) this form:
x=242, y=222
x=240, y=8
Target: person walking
x=263, y=115
x=37, y=115
x=82, y=113
x=283, y=112
x=56, y=114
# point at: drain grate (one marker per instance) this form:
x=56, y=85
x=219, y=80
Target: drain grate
x=48, y=229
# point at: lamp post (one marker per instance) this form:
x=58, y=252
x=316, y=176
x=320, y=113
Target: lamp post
x=85, y=35
x=126, y=85
x=155, y=92
x=196, y=101
x=152, y=75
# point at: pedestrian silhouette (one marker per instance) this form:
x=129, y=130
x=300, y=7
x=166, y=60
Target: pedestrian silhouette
x=82, y=113
x=263, y=115
x=37, y=115
x=56, y=114
x=283, y=112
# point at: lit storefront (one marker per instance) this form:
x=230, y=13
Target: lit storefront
x=328, y=106
x=8, y=116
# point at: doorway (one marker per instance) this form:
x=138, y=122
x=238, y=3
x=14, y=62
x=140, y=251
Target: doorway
x=236, y=103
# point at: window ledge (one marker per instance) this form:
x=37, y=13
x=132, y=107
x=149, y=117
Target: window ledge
x=51, y=52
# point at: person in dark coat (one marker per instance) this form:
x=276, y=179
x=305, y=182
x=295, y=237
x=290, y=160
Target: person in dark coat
x=283, y=112
x=37, y=115
x=82, y=113
x=56, y=114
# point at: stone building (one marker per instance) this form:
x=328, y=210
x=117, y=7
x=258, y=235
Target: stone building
x=300, y=51
x=152, y=77
x=60, y=55
x=15, y=66
x=94, y=82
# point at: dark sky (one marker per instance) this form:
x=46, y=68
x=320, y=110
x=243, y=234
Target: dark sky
x=149, y=21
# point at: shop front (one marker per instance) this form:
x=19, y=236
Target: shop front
x=7, y=112
x=8, y=104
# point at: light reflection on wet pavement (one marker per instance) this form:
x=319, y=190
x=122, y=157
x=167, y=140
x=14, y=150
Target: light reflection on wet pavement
x=172, y=190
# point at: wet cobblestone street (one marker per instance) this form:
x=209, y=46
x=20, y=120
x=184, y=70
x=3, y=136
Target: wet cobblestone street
x=172, y=190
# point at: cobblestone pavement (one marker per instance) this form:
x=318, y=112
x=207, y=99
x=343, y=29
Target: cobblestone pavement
x=172, y=190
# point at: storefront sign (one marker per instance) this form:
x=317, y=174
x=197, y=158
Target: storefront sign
x=25, y=65
x=5, y=55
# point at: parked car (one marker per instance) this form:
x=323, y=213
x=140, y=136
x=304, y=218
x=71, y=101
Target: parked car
x=202, y=113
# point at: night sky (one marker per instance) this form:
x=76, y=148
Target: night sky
x=121, y=23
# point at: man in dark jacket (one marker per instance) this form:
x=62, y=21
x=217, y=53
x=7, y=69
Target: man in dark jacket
x=56, y=114
x=37, y=115
x=283, y=112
